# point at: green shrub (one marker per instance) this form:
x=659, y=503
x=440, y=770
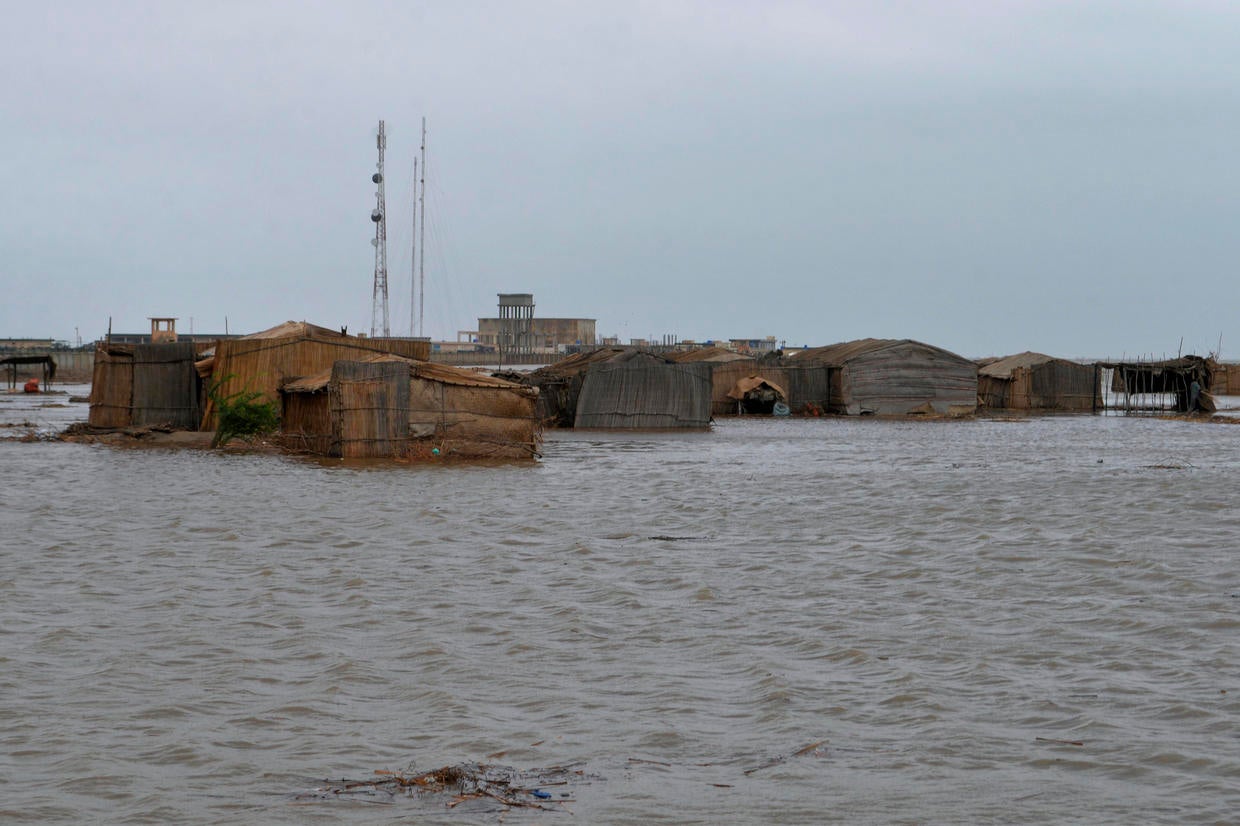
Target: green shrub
x=241, y=415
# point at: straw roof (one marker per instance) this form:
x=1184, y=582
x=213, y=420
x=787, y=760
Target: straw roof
x=298, y=329
x=846, y=351
x=430, y=371
x=713, y=353
x=580, y=362
x=744, y=385
x=1002, y=368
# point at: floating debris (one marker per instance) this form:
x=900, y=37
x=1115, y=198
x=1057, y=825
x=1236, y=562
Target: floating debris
x=1171, y=464
x=453, y=785
x=815, y=749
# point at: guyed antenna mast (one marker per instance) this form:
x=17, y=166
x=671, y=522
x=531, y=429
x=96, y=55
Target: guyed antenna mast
x=422, y=238
x=379, y=216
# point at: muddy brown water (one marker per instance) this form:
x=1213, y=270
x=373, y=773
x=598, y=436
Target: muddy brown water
x=1030, y=621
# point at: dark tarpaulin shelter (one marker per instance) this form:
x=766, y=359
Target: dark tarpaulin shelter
x=146, y=384
x=642, y=390
x=559, y=384
x=1036, y=381
x=895, y=377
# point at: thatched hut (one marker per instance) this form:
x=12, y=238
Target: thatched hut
x=895, y=377
x=390, y=407
x=1226, y=379
x=1142, y=383
x=640, y=390
x=559, y=384
x=145, y=384
x=265, y=360
x=757, y=395
x=727, y=367
x=1035, y=381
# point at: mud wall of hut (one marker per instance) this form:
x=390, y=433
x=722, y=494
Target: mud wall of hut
x=474, y=421
x=383, y=409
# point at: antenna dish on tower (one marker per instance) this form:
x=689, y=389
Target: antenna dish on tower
x=379, y=308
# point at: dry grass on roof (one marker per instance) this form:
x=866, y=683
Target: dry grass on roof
x=1002, y=368
x=580, y=362
x=430, y=371
x=297, y=329
x=712, y=353
x=845, y=351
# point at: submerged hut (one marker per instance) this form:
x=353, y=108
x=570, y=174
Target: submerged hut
x=758, y=395
x=145, y=384
x=265, y=360
x=390, y=407
x=624, y=388
x=804, y=388
x=1035, y=381
x=559, y=384
x=1226, y=379
x=895, y=377
x=1145, y=385
x=641, y=390
x=726, y=369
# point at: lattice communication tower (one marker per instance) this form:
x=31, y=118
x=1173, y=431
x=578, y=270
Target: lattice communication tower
x=379, y=216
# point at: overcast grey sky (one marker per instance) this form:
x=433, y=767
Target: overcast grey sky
x=986, y=176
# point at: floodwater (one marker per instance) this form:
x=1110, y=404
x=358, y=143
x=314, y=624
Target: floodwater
x=794, y=621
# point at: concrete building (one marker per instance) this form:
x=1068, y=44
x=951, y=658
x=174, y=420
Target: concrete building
x=518, y=330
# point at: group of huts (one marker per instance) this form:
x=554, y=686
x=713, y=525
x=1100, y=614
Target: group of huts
x=338, y=395
x=350, y=396
x=623, y=388
x=617, y=387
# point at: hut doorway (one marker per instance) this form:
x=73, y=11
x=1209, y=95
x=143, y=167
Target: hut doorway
x=755, y=395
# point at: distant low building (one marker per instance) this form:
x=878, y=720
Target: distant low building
x=518, y=330
x=545, y=334
x=24, y=345
x=754, y=346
